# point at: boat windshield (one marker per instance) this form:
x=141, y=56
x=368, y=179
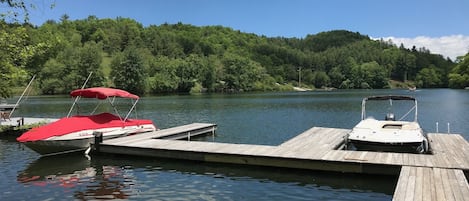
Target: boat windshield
x=390, y=108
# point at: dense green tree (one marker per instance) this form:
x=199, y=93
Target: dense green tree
x=404, y=66
x=188, y=71
x=127, y=71
x=368, y=75
x=321, y=79
x=162, y=75
x=428, y=78
x=326, y=40
x=15, y=53
x=89, y=61
x=52, y=40
x=240, y=73
x=181, y=57
x=70, y=69
x=459, y=77
x=51, y=75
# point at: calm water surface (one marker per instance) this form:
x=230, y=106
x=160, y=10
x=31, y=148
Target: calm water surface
x=261, y=118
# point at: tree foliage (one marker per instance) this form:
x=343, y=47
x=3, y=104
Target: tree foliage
x=459, y=77
x=181, y=58
x=127, y=71
x=16, y=52
x=70, y=68
x=428, y=78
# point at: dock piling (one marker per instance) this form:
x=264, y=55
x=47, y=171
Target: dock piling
x=98, y=139
x=20, y=121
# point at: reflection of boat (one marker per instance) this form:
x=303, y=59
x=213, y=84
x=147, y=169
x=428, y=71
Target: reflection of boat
x=75, y=133
x=389, y=134
x=53, y=171
x=88, y=179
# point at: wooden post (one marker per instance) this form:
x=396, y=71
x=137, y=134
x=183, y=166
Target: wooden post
x=213, y=134
x=98, y=139
x=20, y=121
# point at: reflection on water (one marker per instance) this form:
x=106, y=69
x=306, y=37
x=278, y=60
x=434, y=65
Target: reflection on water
x=107, y=185
x=75, y=171
x=261, y=118
x=111, y=177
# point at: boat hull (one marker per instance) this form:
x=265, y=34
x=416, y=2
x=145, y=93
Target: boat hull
x=51, y=147
x=80, y=141
x=391, y=134
x=388, y=136
x=408, y=147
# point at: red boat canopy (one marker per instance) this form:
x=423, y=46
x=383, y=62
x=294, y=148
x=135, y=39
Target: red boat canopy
x=102, y=93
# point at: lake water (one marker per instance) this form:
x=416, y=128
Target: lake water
x=250, y=118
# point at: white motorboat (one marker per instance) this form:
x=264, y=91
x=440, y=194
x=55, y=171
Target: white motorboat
x=390, y=134
x=75, y=133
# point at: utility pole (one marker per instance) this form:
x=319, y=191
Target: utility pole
x=299, y=77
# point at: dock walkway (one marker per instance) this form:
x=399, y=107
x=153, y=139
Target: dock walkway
x=20, y=121
x=174, y=133
x=427, y=184
x=317, y=149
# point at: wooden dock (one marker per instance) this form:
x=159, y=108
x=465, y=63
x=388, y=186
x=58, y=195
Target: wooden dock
x=174, y=133
x=317, y=149
x=7, y=107
x=22, y=121
x=426, y=183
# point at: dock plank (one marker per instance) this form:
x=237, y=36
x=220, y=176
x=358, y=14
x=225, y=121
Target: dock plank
x=317, y=136
x=463, y=184
x=424, y=183
x=160, y=133
x=401, y=188
x=446, y=185
x=453, y=181
x=15, y=121
x=410, y=191
x=440, y=193
x=419, y=184
x=428, y=188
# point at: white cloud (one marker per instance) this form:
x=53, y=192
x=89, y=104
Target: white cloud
x=448, y=46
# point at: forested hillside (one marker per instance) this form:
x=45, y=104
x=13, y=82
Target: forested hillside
x=182, y=58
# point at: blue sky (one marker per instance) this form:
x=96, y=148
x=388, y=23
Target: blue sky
x=433, y=21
